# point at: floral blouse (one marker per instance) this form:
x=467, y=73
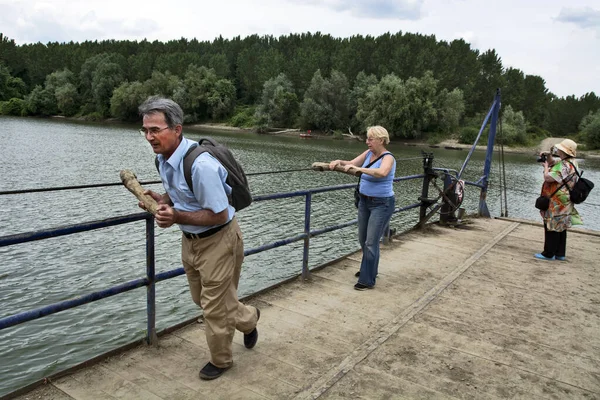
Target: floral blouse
x=561, y=214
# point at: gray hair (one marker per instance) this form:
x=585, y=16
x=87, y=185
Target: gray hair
x=172, y=111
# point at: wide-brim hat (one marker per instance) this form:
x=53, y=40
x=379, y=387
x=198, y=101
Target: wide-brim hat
x=568, y=147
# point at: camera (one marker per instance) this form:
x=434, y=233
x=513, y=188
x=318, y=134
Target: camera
x=542, y=158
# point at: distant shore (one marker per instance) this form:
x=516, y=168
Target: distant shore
x=450, y=144
x=544, y=145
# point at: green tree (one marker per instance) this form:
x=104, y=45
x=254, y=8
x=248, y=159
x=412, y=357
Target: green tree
x=105, y=79
x=220, y=64
x=126, y=99
x=163, y=84
x=221, y=99
x=177, y=62
x=9, y=85
x=362, y=84
x=489, y=79
x=590, y=130
x=202, y=95
x=14, y=106
x=451, y=108
x=326, y=103
x=62, y=85
x=141, y=66
x=99, y=76
x=67, y=99
x=536, y=101
x=405, y=108
x=514, y=126
x=513, y=91
x=41, y=102
x=339, y=98
x=278, y=105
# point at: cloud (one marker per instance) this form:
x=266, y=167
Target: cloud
x=44, y=22
x=583, y=17
x=379, y=9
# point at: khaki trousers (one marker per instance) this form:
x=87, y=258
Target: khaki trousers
x=213, y=266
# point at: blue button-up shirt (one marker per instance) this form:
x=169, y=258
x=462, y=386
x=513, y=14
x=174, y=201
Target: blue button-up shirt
x=208, y=177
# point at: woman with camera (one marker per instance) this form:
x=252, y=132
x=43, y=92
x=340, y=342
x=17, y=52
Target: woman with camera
x=559, y=176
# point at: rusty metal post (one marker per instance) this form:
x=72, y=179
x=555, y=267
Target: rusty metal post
x=429, y=175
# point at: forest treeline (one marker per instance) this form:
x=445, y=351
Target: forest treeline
x=413, y=84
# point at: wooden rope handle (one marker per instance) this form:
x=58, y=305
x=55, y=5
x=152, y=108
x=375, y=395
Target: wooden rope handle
x=321, y=166
x=133, y=185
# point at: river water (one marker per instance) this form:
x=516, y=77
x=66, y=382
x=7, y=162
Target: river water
x=38, y=153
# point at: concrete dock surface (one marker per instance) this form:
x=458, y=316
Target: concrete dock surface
x=457, y=313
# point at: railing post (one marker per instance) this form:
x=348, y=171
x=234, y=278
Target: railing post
x=307, y=207
x=483, y=208
x=429, y=174
x=151, y=337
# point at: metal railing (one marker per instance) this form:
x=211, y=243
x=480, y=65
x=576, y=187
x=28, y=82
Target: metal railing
x=152, y=277
x=428, y=207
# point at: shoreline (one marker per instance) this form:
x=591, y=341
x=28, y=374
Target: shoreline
x=546, y=144
x=448, y=144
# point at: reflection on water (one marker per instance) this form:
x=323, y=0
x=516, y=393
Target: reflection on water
x=47, y=153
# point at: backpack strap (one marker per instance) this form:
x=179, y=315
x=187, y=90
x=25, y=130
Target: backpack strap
x=188, y=160
x=575, y=168
x=565, y=181
x=209, y=140
x=373, y=162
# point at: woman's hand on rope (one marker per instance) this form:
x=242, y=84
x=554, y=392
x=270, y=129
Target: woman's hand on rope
x=334, y=164
x=351, y=168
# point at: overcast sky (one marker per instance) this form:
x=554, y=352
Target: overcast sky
x=558, y=40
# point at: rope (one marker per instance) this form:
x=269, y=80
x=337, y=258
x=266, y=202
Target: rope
x=95, y=185
x=278, y=172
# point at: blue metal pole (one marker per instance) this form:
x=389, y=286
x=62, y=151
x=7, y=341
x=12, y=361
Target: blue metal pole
x=468, y=158
x=151, y=337
x=307, y=207
x=483, y=208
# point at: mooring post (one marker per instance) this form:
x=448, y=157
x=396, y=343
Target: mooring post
x=446, y=211
x=429, y=175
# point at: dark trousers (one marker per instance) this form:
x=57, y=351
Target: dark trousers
x=555, y=243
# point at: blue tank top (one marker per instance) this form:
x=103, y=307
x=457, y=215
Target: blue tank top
x=377, y=187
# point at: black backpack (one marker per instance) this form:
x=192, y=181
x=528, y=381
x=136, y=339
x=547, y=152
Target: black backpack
x=236, y=178
x=581, y=189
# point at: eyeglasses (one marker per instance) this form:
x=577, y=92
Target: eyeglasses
x=370, y=139
x=152, y=131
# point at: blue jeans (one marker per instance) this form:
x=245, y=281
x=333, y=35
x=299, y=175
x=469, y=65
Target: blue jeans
x=374, y=214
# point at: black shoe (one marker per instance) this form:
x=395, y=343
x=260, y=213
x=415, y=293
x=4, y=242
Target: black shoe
x=251, y=338
x=360, y=286
x=210, y=371
x=358, y=274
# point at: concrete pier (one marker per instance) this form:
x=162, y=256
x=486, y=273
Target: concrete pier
x=464, y=313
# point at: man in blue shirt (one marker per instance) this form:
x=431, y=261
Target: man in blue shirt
x=212, y=248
